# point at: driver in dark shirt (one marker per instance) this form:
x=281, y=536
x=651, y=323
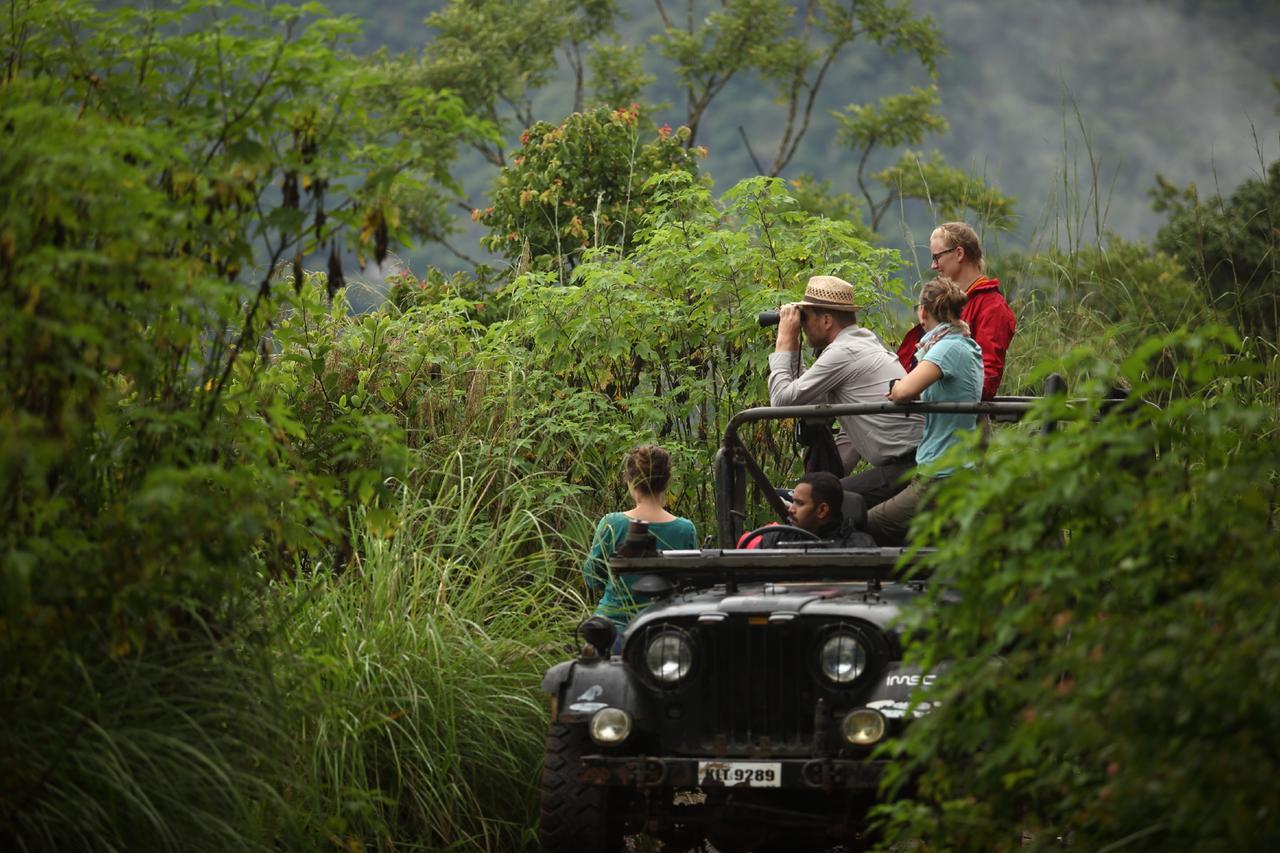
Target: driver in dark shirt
x=817, y=506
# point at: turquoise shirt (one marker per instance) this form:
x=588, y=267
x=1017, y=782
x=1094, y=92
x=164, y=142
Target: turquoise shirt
x=617, y=603
x=960, y=360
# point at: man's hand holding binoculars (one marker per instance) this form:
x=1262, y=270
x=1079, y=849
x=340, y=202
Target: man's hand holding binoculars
x=790, y=317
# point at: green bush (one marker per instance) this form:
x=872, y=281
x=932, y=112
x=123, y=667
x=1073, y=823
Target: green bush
x=155, y=168
x=660, y=344
x=1231, y=246
x=1103, y=599
x=663, y=343
x=1106, y=297
x=579, y=184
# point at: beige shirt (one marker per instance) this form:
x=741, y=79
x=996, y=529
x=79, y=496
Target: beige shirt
x=854, y=368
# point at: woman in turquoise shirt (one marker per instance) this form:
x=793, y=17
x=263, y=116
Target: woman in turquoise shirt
x=948, y=370
x=647, y=471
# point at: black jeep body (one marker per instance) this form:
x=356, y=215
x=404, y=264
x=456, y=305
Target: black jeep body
x=749, y=697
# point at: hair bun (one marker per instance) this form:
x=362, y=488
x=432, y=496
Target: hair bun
x=943, y=299
x=647, y=469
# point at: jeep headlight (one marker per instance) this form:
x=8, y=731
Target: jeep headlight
x=669, y=656
x=843, y=658
x=863, y=727
x=610, y=726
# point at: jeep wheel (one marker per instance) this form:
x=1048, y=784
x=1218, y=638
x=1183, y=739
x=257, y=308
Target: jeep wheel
x=575, y=815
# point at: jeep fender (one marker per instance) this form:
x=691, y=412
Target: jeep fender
x=893, y=689
x=579, y=688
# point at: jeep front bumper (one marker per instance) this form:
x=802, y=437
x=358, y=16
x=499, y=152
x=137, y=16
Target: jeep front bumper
x=823, y=774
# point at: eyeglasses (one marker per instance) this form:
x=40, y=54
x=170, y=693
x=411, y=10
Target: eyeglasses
x=937, y=255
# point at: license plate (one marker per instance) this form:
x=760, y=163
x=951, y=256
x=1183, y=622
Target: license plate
x=742, y=774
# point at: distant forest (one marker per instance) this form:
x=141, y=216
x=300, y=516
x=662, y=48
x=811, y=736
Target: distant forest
x=1180, y=88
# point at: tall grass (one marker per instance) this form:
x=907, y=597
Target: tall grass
x=174, y=751
x=1082, y=287
x=416, y=696
x=393, y=706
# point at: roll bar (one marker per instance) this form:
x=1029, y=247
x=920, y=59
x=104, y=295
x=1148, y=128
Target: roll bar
x=732, y=459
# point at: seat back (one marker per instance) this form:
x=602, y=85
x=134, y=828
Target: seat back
x=855, y=510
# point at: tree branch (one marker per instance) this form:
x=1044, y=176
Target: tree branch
x=862, y=183
x=790, y=144
x=460, y=255
x=754, y=159
x=574, y=54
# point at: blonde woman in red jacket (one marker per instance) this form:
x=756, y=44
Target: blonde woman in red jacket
x=957, y=254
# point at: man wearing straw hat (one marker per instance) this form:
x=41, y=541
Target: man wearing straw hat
x=852, y=366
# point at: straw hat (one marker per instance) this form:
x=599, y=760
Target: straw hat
x=829, y=292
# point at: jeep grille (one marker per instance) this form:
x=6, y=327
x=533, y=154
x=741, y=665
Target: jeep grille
x=757, y=690
x=752, y=688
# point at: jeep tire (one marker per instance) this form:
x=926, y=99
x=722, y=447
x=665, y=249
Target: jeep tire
x=576, y=817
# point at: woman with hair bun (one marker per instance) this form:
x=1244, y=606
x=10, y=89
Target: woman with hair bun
x=957, y=254
x=646, y=471
x=948, y=370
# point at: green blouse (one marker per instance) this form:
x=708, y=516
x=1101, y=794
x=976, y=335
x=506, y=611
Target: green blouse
x=617, y=603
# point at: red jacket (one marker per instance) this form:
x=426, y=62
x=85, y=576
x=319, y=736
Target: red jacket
x=992, y=324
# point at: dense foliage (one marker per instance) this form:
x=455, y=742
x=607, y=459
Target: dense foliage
x=144, y=182
x=1232, y=245
x=279, y=576
x=1110, y=676
x=156, y=168
x=661, y=343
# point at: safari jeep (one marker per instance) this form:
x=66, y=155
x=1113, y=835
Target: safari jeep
x=749, y=697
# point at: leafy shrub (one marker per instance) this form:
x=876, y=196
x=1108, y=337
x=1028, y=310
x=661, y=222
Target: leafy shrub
x=578, y=184
x=149, y=186
x=663, y=343
x=660, y=344
x=1231, y=246
x=132, y=206
x=1107, y=297
x=1107, y=624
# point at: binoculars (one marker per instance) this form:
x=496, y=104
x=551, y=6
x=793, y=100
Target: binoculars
x=771, y=318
